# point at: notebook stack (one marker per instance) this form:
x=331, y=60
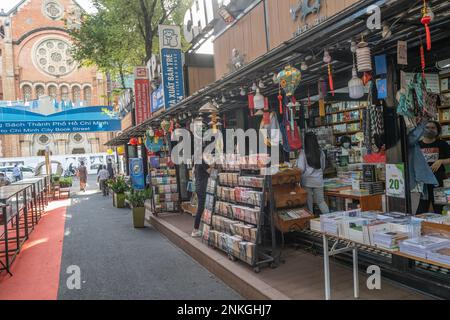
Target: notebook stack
x=420, y=246
x=330, y=222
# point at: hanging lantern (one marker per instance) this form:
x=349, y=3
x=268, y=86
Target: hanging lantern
x=363, y=57
x=150, y=132
x=289, y=80
x=366, y=78
x=327, y=59
x=165, y=125
x=258, y=100
x=251, y=104
x=426, y=20
x=209, y=107
x=133, y=141
x=355, y=86
x=139, y=141
x=120, y=150
x=110, y=151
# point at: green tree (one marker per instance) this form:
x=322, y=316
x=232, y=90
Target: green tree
x=123, y=34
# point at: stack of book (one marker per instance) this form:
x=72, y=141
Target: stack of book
x=441, y=255
x=389, y=239
x=433, y=217
x=330, y=222
x=420, y=246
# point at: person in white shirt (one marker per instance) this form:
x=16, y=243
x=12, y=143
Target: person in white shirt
x=311, y=163
x=17, y=173
x=102, y=178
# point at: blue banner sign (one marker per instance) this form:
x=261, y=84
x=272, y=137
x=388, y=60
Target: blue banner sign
x=41, y=116
x=137, y=174
x=157, y=99
x=172, y=74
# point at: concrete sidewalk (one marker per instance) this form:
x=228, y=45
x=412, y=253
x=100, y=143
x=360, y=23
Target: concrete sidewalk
x=117, y=261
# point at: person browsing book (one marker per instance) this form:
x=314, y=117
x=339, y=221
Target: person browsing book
x=311, y=163
x=437, y=154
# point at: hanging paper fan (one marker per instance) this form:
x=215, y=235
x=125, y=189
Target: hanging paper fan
x=289, y=80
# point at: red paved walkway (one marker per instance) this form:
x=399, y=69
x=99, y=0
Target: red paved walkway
x=37, y=267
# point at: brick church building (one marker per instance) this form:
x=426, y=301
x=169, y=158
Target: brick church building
x=35, y=61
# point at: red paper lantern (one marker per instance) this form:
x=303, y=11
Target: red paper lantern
x=134, y=141
x=426, y=20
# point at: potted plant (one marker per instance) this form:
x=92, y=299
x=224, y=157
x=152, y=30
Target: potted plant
x=137, y=198
x=64, y=185
x=119, y=187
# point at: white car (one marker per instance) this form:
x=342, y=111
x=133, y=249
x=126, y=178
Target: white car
x=27, y=172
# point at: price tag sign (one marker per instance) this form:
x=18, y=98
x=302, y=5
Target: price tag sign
x=395, y=180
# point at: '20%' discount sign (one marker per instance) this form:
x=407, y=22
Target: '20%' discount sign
x=395, y=180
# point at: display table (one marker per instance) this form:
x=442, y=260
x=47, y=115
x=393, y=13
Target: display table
x=367, y=202
x=14, y=201
x=353, y=246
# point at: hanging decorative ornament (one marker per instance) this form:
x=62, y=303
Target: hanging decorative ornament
x=254, y=87
x=261, y=84
x=289, y=80
x=353, y=47
x=165, y=125
x=280, y=101
x=120, y=150
x=366, y=78
x=321, y=90
x=209, y=107
x=110, y=151
x=422, y=59
x=243, y=92
x=134, y=141
x=224, y=99
x=172, y=126
x=304, y=66
x=355, y=85
x=251, y=104
x=266, y=113
x=327, y=59
x=426, y=20
x=363, y=57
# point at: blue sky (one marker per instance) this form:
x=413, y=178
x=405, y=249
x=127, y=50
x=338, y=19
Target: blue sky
x=8, y=4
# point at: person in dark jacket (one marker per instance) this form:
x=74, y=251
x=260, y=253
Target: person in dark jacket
x=201, y=173
x=110, y=168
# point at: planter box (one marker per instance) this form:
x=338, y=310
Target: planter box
x=139, y=217
x=119, y=200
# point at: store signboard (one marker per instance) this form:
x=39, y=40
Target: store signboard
x=171, y=65
x=141, y=94
x=395, y=180
x=46, y=116
x=137, y=174
x=157, y=99
x=199, y=19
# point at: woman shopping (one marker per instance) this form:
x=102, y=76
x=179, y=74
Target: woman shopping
x=311, y=163
x=82, y=175
x=437, y=154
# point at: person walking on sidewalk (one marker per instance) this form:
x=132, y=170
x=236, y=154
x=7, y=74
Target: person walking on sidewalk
x=110, y=168
x=311, y=163
x=201, y=175
x=82, y=175
x=17, y=173
x=102, y=179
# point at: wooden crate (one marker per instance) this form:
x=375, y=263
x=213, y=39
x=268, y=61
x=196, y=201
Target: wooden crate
x=286, y=226
x=289, y=196
x=290, y=176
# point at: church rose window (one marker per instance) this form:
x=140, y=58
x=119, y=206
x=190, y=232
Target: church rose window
x=53, y=57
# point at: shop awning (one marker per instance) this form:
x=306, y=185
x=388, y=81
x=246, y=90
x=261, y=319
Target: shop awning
x=335, y=34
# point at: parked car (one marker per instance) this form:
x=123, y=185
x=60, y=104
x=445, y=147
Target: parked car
x=27, y=172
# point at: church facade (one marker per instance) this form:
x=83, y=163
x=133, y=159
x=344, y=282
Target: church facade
x=36, y=62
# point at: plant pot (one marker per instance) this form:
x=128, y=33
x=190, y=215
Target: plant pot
x=139, y=217
x=119, y=200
